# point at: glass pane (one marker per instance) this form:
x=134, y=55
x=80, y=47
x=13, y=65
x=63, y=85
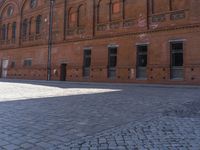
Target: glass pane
x=112, y=56
x=113, y=50
x=142, y=60
x=177, y=46
x=87, y=58
x=87, y=62
x=4, y=32
x=25, y=25
x=177, y=59
x=142, y=49
x=87, y=52
x=113, y=61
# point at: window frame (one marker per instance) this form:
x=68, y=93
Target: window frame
x=3, y=32
x=25, y=27
x=14, y=30
x=38, y=24
x=177, y=69
x=112, y=68
x=28, y=62
x=141, y=70
x=86, y=68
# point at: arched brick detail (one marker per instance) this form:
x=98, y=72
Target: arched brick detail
x=6, y=21
x=72, y=17
x=25, y=7
x=81, y=15
x=6, y=4
x=103, y=11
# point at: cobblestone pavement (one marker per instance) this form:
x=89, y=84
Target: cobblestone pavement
x=165, y=133
x=37, y=115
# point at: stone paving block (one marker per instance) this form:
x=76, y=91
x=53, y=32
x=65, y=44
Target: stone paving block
x=44, y=145
x=17, y=141
x=26, y=145
x=3, y=143
x=11, y=147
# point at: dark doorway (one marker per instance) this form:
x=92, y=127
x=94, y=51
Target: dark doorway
x=86, y=63
x=141, y=62
x=63, y=72
x=177, y=61
x=112, y=62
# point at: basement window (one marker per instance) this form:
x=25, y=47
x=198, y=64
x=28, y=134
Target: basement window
x=13, y=64
x=27, y=62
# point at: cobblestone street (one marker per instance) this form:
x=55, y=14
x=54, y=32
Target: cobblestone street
x=40, y=115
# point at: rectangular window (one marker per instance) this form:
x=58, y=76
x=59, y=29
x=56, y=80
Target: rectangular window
x=86, y=63
x=176, y=60
x=27, y=62
x=112, y=62
x=13, y=64
x=3, y=32
x=141, y=61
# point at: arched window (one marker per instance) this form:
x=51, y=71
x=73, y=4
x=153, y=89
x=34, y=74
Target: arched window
x=116, y=7
x=10, y=11
x=81, y=16
x=72, y=18
x=38, y=24
x=14, y=30
x=30, y=26
x=3, y=32
x=103, y=11
x=25, y=27
x=7, y=31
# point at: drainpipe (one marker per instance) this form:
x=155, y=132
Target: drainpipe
x=50, y=40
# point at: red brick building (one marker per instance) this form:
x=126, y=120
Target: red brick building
x=139, y=41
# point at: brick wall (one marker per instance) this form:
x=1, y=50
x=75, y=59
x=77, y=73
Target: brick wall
x=81, y=24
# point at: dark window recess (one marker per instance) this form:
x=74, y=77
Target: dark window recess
x=28, y=63
x=177, y=60
x=7, y=31
x=141, y=61
x=14, y=31
x=63, y=72
x=25, y=27
x=13, y=64
x=33, y=3
x=38, y=24
x=112, y=62
x=3, y=32
x=86, y=63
